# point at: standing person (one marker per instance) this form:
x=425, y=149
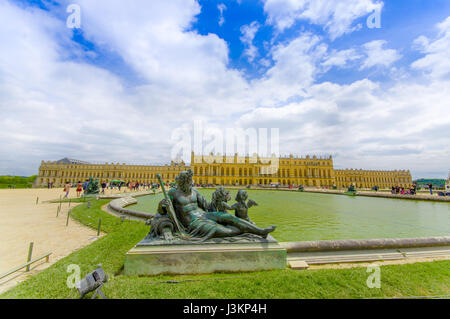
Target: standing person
x=413, y=189
x=103, y=187
x=67, y=189
x=79, y=188
x=120, y=185
x=430, y=186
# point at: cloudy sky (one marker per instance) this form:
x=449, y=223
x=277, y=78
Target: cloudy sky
x=116, y=88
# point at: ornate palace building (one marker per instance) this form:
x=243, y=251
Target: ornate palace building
x=310, y=171
x=368, y=179
x=72, y=171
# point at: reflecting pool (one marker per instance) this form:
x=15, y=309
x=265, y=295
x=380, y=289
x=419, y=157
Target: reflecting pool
x=310, y=216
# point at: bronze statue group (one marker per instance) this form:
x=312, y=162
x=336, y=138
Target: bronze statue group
x=187, y=214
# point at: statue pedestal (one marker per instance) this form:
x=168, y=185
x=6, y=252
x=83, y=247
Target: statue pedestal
x=218, y=255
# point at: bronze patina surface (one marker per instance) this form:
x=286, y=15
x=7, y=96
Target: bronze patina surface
x=92, y=187
x=185, y=213
x=191, y=235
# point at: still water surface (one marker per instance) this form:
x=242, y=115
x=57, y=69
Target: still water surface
x=310, y=216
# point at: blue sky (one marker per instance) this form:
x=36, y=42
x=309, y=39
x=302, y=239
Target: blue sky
x=121, y=86
x=402, y=22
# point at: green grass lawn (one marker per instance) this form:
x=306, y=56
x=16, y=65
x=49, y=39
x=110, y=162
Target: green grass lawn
x=421, y=279
x=80, y=199
x=17, y=181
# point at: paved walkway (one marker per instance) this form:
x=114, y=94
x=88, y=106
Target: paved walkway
x=22, y=222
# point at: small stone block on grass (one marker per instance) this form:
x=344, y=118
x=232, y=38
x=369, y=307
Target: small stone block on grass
x=298, y=264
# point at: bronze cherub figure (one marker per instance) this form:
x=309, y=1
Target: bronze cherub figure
x=241, y=207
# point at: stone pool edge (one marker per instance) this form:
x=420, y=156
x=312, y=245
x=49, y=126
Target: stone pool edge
x=120, y=201
x=363, y=244
x=117, y=207
x=424, y=197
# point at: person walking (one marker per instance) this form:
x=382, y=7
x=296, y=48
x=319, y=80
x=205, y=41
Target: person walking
x=79, y=188
x=67, y=190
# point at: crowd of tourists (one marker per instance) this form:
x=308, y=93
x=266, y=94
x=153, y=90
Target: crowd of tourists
x=413, y=190
x=404, y=191
x=132, y=186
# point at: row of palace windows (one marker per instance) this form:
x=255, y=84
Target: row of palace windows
x=107, y=175
x=347, y=173
x=371, y=179
x=249, y=172
x=260, y=181
x=122, y=169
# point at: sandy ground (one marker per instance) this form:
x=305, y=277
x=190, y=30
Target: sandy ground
x=22, y=222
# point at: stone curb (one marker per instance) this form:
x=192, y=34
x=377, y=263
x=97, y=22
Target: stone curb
x=118, y=204
x=363, y=244
x=445, y=199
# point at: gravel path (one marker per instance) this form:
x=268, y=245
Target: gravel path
x=22, y=222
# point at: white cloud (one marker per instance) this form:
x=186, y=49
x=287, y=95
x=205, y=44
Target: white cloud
x=49, y=105
x=378, y=56
x=221, y=7
x=248, y=32
x=436, y=61
x=294, y=69
x=264, y=62
x=336, y=17
x=54, y=106
x=340, y=58
x=366, y=126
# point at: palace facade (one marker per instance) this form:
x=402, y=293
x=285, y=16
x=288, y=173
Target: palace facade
x=368, y=179
x=73, y=171
x=213, y=169
x=237, y=170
